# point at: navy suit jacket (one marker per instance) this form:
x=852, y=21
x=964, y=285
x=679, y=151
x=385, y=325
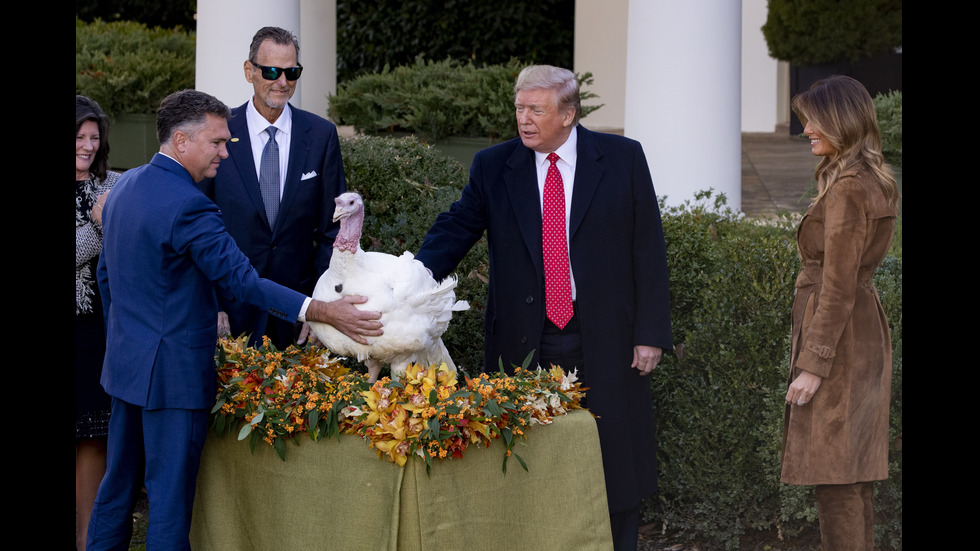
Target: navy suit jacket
x=618, y=259
x=165, y=254
x=298, y=249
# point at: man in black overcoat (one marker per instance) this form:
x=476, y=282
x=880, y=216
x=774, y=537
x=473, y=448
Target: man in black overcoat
x=615, y=270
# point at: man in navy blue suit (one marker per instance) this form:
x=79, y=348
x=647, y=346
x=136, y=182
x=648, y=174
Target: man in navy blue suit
x=289, y=242
x=166, y=257
x=611, y=303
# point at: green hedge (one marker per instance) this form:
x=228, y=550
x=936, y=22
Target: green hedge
x=128, y=67
x=719, y=397
x=173, y=13
x=888, y=107
x=372, y=35
x=435, y=100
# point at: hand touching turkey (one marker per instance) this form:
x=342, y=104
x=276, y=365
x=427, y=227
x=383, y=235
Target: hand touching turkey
x=415, y=309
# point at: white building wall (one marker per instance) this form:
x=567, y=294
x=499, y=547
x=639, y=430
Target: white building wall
x=318, y=51
x=600, y=49
x=760, y=73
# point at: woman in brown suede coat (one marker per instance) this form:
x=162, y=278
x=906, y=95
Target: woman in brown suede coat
x=836, y=425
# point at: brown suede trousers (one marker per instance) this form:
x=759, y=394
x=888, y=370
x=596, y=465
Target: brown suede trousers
x=847, y=516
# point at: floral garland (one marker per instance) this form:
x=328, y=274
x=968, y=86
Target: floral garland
x=273, y=396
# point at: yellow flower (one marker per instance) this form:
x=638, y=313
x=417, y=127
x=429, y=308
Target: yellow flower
x=396, y=450
x=377, y=403
x=473, y=429
x=444, y=392
x=416, y=402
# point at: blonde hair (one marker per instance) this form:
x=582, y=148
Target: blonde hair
x=841, y=109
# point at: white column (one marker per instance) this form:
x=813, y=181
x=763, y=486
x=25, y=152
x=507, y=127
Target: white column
x=600, y=49
x=683, y=94
x=760, y=72
x=224, y=33
x=318, y=54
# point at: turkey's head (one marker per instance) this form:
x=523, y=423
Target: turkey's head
x=348, y=204
x=350, y=212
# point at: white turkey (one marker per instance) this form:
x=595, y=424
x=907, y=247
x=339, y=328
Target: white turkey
x=415, y=308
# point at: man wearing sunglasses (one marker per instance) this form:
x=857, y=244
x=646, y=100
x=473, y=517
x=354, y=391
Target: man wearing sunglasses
x=276, y=198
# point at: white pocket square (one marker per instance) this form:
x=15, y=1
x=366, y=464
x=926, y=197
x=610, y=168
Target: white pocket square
x=308, y=175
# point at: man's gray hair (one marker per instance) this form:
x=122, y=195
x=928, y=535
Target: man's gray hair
x=549, y=77
x=277, y=35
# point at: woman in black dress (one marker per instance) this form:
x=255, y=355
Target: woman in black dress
x=93, y=181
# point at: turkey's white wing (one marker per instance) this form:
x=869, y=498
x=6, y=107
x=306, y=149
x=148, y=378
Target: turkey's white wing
x=415, y=308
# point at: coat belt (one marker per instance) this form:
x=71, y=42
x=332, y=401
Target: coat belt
x=812, y=274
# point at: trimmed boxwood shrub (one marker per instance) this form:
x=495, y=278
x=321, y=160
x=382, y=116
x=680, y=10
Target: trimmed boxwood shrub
x=888, y=108
x=435, y=100
x=719, y=397
x=128, y=67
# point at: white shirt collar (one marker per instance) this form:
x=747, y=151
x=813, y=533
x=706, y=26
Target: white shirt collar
x=567, y=151
x=257, y=124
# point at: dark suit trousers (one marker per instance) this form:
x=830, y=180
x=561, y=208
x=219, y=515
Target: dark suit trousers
x=563, y=347
x=161, y=450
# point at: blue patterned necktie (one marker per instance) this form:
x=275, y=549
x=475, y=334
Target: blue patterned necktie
x=269, y=177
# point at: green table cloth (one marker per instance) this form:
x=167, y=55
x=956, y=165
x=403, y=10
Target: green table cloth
x=338, y=495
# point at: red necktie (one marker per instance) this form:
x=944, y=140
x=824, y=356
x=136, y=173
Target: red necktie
x=558, y=286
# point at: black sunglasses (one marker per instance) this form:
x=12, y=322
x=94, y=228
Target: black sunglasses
x=272, y=73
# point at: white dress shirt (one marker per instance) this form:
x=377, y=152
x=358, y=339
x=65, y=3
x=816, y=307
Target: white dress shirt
x=257, y=125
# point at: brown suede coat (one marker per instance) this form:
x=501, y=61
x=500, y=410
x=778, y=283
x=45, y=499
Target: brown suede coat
x=841, y=334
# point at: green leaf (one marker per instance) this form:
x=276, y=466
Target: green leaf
x=246, y=430
x=492, y=409
x=280, y=447
x=527, y=360
x=521, y=460
x=218, y=404
x=508, y=435
x=460, y=394
x=219, y=424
